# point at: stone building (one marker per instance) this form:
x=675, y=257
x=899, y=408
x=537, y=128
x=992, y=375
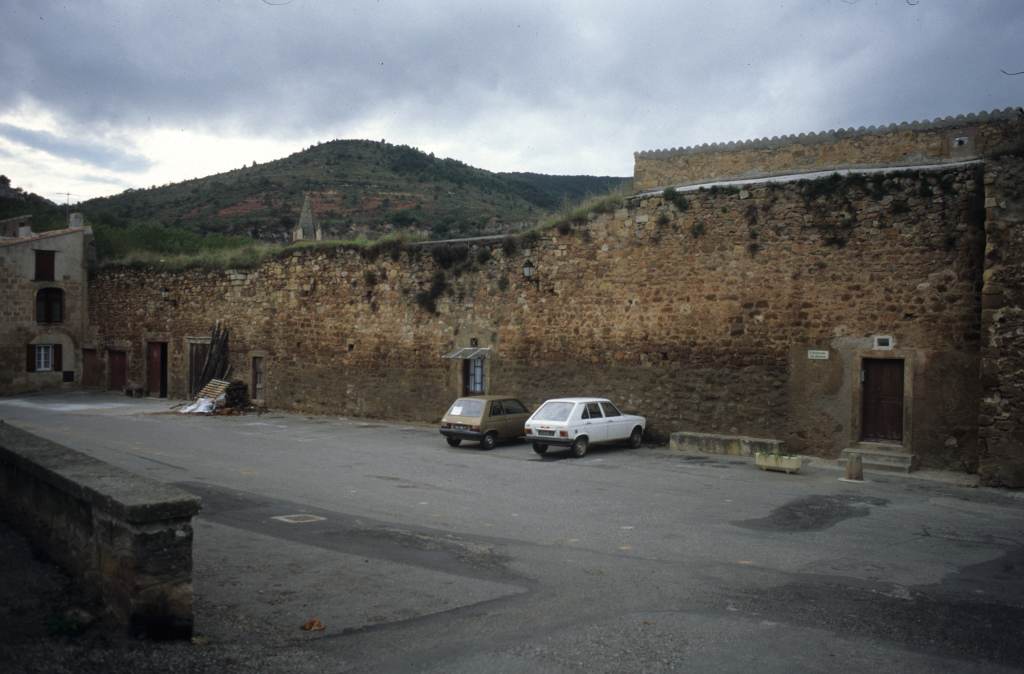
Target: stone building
x=878, y=309
x=43, y=306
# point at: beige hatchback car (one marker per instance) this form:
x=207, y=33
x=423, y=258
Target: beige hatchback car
x=484, y=419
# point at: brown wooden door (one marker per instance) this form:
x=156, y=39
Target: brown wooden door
x=156, y=369
x=91, y=372
x=197, y=352
x=882, y=398
x=117, y=367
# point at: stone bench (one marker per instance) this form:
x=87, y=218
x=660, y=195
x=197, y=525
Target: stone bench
x=736, y=445
x=126, y=539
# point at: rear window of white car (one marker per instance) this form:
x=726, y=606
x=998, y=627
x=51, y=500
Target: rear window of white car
x=467, y=407
x=558, y=411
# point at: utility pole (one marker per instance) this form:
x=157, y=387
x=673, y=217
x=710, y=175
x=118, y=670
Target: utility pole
x=67, y=207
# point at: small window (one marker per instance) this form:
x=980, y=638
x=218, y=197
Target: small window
x=884, y=342
x=593, y=410
x=610, y=410
x=513, y=406
x=474, y=376
x=45, y=265
x=50, y=305
x=44, y=357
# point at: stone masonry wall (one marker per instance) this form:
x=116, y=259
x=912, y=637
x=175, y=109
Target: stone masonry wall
x=942, y=140
x=18, y=325
x=126, y=539
x=1002, y=409
x=695, y=314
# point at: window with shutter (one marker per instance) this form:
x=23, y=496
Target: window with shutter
x=44, y=358
x=45, y=265
x=50, y=305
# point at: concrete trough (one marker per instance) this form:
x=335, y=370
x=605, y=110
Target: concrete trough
x=733, y=445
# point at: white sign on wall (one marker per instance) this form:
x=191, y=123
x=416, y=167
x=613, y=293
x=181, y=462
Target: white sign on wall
x=815, y=354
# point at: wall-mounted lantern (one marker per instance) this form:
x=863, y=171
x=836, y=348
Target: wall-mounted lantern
x=528, y=270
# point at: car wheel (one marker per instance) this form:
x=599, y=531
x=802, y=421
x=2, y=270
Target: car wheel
x=454, y=442
x=579, y=447
x=636, y=437
x=540, y=448
x=488, y=441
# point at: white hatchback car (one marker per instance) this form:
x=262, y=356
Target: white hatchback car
x=579, y=422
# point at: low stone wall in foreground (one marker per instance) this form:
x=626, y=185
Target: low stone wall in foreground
x=125, y=538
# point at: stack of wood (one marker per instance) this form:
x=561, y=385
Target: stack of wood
x=236, y=395
x=216, y=365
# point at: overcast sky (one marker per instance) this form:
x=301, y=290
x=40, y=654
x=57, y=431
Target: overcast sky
x=102, y=96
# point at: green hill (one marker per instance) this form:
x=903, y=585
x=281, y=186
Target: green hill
x=357, y=188
x=14, y=202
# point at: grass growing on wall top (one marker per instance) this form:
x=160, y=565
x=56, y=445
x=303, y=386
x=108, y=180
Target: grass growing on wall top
x=570, y=216
x=250, y=254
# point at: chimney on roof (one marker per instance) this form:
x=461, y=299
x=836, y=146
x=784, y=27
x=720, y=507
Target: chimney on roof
x=16, y=227
x=76, y=221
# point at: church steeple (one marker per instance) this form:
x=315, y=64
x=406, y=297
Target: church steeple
x=308, y=228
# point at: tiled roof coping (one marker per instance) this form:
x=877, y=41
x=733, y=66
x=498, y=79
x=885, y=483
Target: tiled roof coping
x=45, y=235
x=835, y=134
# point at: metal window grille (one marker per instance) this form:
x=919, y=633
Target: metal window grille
x=476, y=375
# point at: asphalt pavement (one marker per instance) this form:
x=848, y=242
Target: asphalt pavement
x=419, y=557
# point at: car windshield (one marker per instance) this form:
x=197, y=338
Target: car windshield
x=555, y=411
x=467, y=407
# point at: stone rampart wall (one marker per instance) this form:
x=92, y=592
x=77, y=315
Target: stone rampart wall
x=1001, y=420
x=128, y=540
x=943, y=140
x=698, y=315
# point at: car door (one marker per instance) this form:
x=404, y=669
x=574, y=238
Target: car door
x=516, y=414
x=617, y=424
x=594, y=422
x=496, y=419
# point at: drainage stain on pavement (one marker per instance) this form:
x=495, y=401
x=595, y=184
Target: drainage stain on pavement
x=473, y=557
x=927, y=618
x=813, y=513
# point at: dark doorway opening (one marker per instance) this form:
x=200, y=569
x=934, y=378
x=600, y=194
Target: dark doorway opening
x=91, y=369
x=156, y=369
x=117, y=369
x=257, y=378
x=882, y=400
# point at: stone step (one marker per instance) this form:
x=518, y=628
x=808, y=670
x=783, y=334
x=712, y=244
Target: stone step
x=878, y=458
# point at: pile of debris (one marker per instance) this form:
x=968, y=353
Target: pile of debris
x=217, y=394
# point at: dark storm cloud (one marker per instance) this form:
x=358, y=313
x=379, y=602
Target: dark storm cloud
x=602, y=77
x=97, y=154
x=266, y=67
